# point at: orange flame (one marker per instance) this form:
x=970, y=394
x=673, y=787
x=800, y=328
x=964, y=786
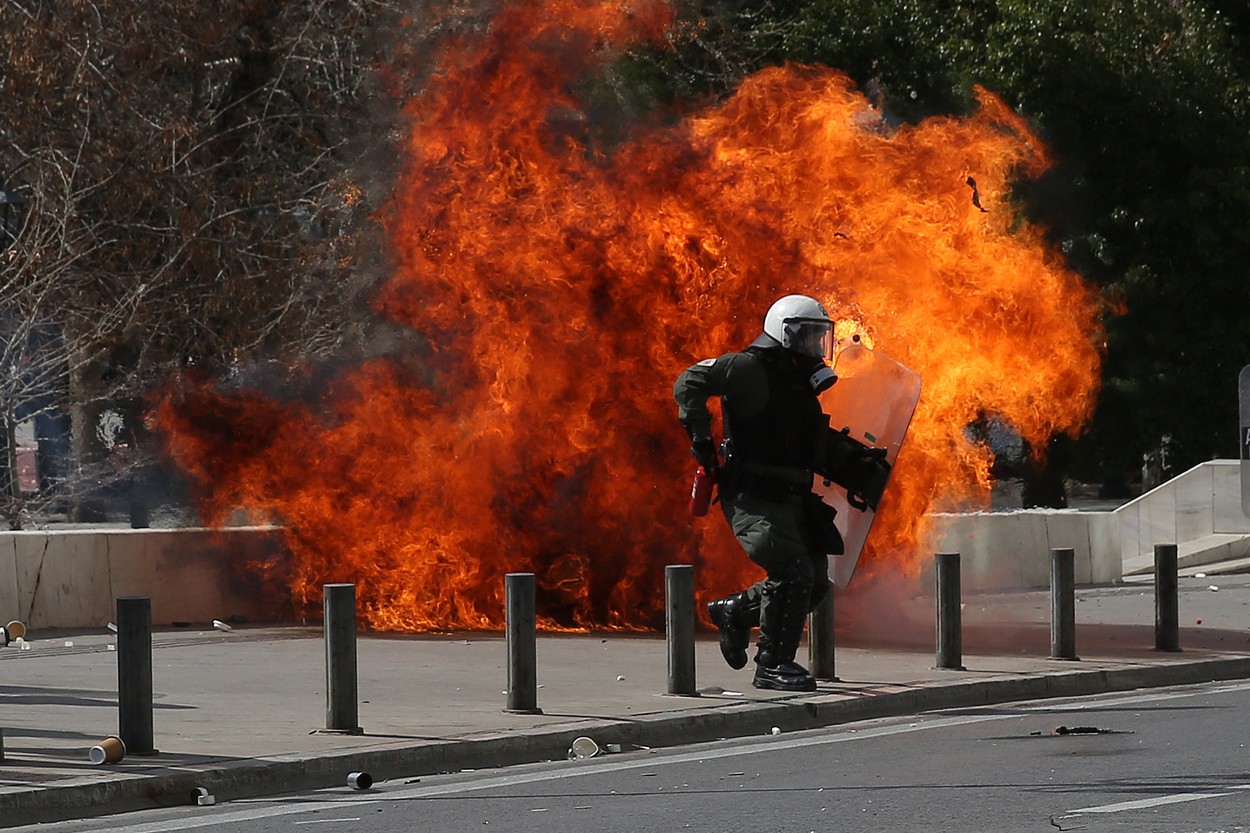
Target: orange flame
x=560, y=288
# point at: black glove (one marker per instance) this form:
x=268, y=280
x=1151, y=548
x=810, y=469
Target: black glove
x=702, y=447
x=872, y=454
x=704, y=452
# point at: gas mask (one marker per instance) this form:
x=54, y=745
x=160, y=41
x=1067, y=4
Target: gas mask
x=821, y=376
x=812, y=342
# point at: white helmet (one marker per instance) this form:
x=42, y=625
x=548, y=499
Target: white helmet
x=800, y=323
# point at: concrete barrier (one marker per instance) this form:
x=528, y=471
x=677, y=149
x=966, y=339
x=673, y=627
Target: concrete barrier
x=1199, y=510
x=71, y=578
x=1011, y=550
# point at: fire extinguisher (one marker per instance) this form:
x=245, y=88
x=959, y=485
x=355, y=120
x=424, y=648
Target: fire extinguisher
x=701, y=491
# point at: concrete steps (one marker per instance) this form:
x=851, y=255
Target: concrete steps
x=1219, y=554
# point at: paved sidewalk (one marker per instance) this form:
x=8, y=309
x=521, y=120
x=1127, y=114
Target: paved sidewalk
x=238, y=712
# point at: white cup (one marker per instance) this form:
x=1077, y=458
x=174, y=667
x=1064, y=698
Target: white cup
x=583, y=748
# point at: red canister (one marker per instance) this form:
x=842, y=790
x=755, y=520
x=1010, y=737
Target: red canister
x=701, y=492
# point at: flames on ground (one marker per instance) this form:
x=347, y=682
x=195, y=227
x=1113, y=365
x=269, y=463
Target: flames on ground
x=558, y=288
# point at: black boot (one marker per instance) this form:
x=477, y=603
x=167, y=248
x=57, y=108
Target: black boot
x=781, y=675
x=731, y=615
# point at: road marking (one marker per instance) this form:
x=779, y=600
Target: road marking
x=1143, y=803
x=916, y=723
x=327, y=821
x=1115, y=700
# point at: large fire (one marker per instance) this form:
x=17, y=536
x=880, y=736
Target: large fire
x=558, y=287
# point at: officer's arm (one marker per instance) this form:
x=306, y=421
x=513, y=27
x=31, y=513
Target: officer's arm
x=731, y=375
x=737, y=376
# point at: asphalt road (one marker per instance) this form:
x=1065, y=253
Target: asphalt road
x=1159, y=760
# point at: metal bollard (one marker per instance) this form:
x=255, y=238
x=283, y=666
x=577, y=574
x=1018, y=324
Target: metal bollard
x=949, y=627
x=339, y=627
x=522, y=650
x=1063, y=604
x=134, y=674
x=1167, y=613
x=679, y=627
x=820, y=639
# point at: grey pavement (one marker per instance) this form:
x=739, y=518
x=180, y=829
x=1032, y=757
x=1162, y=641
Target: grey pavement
x=239, y=713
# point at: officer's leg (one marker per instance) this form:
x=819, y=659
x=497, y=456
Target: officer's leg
x=771, y=534
x=791, y=595
x=734, y=616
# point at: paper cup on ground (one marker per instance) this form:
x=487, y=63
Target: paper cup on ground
x=14, y=631
x=108, y=751
x=583, y=748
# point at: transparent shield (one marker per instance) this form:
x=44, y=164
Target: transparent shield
x=875, y=397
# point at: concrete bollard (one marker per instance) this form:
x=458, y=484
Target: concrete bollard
x=521, y=644
x=679, y=627
x=134, y=674
x=1167, y=612
x=820, y=639
x=1063, y=604
x=949, y=625
x=339, y=628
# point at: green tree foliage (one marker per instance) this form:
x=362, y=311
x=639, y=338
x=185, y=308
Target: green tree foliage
x=1145, y=104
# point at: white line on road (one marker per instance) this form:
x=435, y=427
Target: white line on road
x=514, y=779
x=917, y=724
x=1115, y=700
x=1144, y=803
x=327, y=821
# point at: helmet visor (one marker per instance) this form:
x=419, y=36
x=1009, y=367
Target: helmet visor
x=811, y=337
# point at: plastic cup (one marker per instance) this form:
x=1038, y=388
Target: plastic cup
x=108, y=751
x=583, y=748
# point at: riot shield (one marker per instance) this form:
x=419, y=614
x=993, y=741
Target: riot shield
x=875, y=398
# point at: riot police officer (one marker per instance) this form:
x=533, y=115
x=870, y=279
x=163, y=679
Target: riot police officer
x=775, y=437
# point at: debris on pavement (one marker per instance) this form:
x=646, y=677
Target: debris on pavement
x=1083, y=730
x=108, y=751
x=583, y=747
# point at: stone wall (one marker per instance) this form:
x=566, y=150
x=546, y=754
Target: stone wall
x=71, y=578
x=1199, y=511
x=1011, y=550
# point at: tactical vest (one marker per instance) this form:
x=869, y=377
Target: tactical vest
x=784, y=432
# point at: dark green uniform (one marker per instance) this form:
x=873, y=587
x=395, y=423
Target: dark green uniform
x=773, y=426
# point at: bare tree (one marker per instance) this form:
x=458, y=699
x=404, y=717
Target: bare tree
x=189, y=174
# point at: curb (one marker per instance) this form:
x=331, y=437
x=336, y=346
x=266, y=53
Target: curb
x=88, y=797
